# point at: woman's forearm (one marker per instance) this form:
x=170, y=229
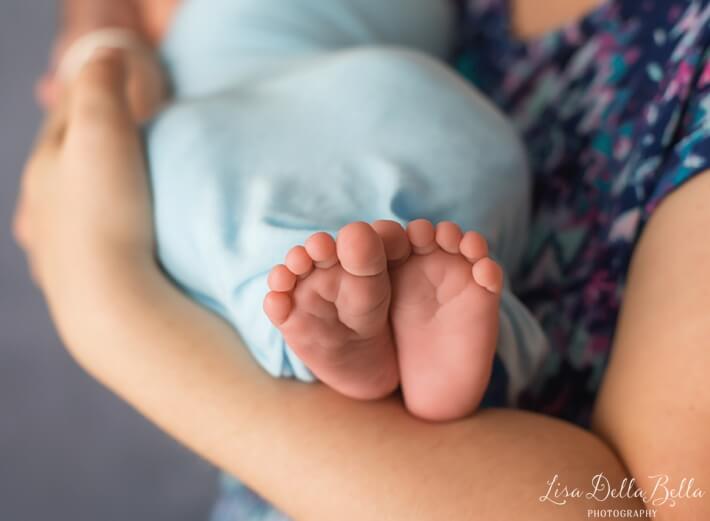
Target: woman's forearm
x=311, y=452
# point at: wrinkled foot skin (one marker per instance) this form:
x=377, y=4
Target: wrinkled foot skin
x=444, y=312
x=330, y=300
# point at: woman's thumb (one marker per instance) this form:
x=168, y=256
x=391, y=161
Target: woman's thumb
x=97, y=96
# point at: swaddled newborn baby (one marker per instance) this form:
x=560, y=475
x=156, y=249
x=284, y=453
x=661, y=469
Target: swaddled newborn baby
x=325, y=137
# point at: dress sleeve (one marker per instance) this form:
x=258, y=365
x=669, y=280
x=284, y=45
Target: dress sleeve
x=690, y=149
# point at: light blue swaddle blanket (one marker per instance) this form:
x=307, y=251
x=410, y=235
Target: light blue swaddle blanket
x=299, y=116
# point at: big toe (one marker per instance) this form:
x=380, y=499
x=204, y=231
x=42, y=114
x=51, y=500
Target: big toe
x=395, y=240
x=360, y=250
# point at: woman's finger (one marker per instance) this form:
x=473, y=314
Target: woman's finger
x=20, y=229
x=100, y=127
x=23, y=238
x=51, y=135
x=97, y=97
x=38, y=167
x=44, y=91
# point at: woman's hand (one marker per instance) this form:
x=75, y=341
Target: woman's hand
x=84, y=194
x=147, y=86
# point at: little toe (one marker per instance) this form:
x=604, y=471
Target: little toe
x=360, y=250
x=321, y=248
x=277, y=307
x=395, y=240
x=422, y=236
x=473, y=246
x=488, y=274
x=448, y=236
x=298, y=261
x=281, y=279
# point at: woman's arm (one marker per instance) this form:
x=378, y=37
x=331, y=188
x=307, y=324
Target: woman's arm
x=310, y=451
x=654, y=406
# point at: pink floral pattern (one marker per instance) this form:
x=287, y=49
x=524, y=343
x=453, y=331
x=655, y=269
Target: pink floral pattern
x=615, y=112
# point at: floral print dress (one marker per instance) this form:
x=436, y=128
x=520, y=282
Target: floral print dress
x=615, y=112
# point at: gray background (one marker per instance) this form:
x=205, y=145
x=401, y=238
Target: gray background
x=69, y=450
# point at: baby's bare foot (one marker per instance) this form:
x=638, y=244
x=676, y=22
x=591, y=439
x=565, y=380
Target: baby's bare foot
x=331, y=303
x=445, y=300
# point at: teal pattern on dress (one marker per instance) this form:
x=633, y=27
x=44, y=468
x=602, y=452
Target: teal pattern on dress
x=615, y=112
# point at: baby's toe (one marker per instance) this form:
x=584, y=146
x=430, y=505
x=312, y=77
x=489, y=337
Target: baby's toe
x=299, y=262
x=360, y=250
x=488, y=274
x=321, y=248
x=448, y=236
x=281, y=279
x=473, y=246
x=278, y=307
x=395, y=240
x=422, y=236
